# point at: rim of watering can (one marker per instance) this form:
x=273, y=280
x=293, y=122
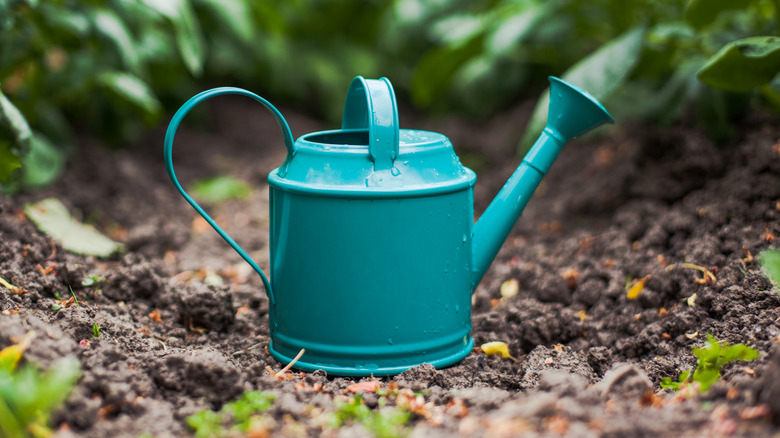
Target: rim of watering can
x=377, y=371
x=465, y=182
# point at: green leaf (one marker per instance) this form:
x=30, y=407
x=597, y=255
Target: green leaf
x=29, y=396
x=43, y=164
x=52, y=218
x=221, y=188
x=250, y=403
x=743, y=65
x=456, y=30
x=189, y=38
x=740, y=352
x=237, y=15
x=206, y=424
x=12, y=120
x=600, y=74
x=133, y=90
x=65, y=19
x=710, y=352
x=108, y=23
x=667, y=382
x=700, y=13
x=515, y=27
x=770, y=261
x=706, y=377
x=9, y=161
x=435, y=71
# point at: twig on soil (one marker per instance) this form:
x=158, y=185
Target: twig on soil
x=290, y=365
x=53, y=251
x=707, y=276
x=251, y=347
x=11, y=287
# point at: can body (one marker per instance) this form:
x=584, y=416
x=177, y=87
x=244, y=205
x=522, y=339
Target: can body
x=370, y=285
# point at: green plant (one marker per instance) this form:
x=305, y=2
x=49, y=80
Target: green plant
x=92, y=280
x=96, y=330
x=28, y=396
x=383, y=423
x=73, y=294
x=770, y=261
x=220, y=189
x=235, y=416
x=114, y=66
x=711, y=359
x=644, y=51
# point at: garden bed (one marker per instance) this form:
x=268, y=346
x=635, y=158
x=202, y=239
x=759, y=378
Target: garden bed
x=183, y=320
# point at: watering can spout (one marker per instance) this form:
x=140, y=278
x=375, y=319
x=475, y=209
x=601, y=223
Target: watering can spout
x=571, y=112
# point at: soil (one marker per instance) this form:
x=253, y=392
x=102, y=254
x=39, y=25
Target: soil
x=184, y=320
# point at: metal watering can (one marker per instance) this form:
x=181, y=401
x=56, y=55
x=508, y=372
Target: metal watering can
x=374, y=249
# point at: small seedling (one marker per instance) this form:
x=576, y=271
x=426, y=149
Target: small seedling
x=711, y=359
x=96, y=330
x=92, y=280
x=384, y=423
x=74, y=296
x=236, y=416
x=28, y=396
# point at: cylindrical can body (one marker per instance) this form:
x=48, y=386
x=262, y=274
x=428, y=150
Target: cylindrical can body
x=371, y=285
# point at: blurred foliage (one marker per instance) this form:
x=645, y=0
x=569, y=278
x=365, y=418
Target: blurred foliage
x=114, y=68
x=647, y=60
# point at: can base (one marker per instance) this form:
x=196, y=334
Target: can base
x=336, y=370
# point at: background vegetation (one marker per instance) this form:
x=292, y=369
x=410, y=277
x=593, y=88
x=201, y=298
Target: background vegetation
x=114, y=68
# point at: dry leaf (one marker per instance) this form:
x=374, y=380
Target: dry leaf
x=11, y=355
x=366, y=386
x=755, y=412
x=155, y=316
x=637, y=287
x=456, y=408
x=496, y=348
x=571, y=275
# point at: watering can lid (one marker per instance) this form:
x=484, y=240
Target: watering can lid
x=370, y=156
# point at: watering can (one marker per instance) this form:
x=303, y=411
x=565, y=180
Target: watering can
x=374, y=253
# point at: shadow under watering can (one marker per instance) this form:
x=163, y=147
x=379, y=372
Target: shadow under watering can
x=374, y=250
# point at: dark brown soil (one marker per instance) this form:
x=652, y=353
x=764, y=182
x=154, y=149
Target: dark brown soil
x=184, y=319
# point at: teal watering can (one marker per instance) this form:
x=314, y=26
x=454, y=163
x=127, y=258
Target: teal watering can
x=374, y=250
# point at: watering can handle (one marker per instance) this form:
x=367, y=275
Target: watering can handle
x=168, y=151
x=371, y=105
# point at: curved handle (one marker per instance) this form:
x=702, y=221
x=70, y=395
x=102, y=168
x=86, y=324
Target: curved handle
x=371, y=105
x=171, y=132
